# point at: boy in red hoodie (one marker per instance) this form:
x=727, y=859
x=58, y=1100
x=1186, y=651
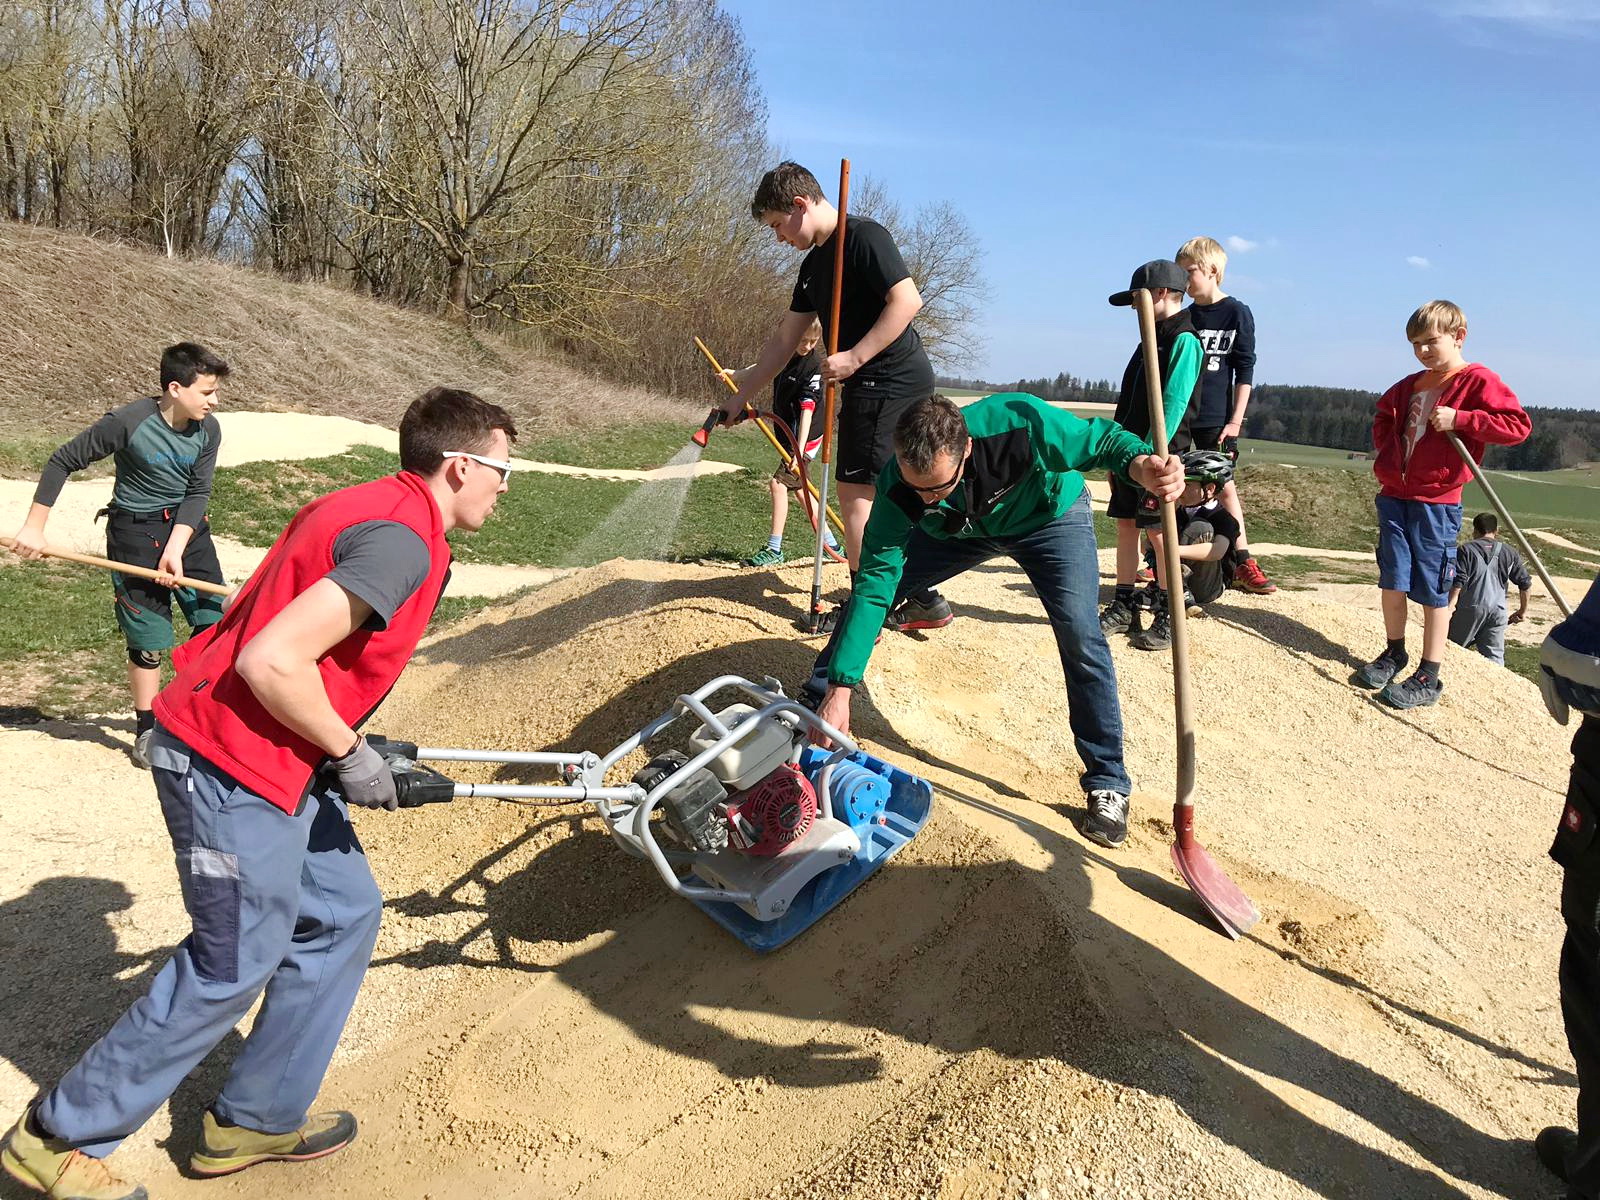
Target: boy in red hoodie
x=1420, y=477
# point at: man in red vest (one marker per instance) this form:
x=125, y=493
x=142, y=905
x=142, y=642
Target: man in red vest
x=255, y=758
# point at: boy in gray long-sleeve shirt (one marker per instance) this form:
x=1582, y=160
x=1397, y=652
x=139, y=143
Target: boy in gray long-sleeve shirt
x=1483, y=568
x=166, y=451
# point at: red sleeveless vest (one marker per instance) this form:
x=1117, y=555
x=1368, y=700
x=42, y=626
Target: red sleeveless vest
x=211, y=709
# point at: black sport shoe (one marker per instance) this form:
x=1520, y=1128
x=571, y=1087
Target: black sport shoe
x=1158, y=636
x=1107, y=819
x=1116, y=616
x=825, y=622
x=1418, y=690
x=912, y=613
x=1554, y=1146
x=1379, y=671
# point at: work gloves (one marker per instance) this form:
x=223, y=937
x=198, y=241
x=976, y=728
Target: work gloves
x=365, y=778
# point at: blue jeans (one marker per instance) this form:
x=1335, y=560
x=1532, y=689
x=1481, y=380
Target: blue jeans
x=1060, y=560
x=278, y=902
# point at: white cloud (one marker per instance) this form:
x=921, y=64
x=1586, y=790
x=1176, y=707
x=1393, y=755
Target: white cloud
x=1580, y=17
x=1416, y=260
x=1241, y=245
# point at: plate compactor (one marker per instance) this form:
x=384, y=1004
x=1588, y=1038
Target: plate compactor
x=761, y=830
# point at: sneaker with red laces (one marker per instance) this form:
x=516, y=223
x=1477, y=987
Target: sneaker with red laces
x=1249, y=577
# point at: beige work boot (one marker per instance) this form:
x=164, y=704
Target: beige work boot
x=48, y=1165
x=225, y=1149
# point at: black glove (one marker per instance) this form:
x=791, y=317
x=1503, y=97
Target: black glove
x=365, y=778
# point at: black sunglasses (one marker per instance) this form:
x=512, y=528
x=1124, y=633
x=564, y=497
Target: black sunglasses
x=942, y=487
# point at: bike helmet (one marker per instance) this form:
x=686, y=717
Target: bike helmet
x=1207, y=466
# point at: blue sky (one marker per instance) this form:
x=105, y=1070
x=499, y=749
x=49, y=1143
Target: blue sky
x=1362, y=156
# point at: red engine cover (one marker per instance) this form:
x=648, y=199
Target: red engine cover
x=773, y=815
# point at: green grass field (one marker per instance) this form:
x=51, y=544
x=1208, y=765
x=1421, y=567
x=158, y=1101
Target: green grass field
x=1299, y=495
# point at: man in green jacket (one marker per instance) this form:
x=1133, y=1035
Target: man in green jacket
x=1001, y=478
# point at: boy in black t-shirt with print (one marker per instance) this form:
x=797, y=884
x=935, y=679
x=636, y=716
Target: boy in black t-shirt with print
x=1227, y=332
x=881, y=367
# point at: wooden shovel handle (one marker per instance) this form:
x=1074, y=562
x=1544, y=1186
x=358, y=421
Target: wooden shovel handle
x=1182, y=699
x=107, y=564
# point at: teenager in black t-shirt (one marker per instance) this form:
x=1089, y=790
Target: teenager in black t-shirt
x=881, y=367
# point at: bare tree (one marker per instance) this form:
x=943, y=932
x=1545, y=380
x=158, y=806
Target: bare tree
x=946, y=261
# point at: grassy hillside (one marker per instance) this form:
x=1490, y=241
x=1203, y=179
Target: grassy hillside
x=86, y=320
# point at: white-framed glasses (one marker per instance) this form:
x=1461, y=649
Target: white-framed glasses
x=500, y=465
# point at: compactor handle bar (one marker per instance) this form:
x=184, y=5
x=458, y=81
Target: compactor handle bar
x=626, y=809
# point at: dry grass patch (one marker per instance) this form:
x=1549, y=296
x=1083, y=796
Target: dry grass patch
x=88, y=319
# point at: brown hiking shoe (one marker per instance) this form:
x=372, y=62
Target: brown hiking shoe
x=49, y=1165
x=225, y=1149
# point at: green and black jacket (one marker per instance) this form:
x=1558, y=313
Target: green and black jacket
x=1024, y=472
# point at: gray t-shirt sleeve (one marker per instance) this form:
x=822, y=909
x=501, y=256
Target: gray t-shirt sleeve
x=382, y=563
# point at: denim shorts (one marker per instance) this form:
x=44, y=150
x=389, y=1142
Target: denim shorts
x=1417, y=548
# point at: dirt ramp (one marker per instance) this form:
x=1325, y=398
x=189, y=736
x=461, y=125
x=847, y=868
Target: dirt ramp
x=1005, y=1007
x=644, y=1058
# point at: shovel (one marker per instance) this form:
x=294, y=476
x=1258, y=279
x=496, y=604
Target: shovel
x=1483, y=482
x=109, y=564
x=1221, y=896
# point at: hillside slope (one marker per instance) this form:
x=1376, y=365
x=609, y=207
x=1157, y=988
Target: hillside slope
x=86, y=320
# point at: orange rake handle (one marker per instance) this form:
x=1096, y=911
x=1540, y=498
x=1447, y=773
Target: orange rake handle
x=789, y=461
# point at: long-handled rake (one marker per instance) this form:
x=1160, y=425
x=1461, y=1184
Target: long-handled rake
x=1221, y=896
x=793, y=463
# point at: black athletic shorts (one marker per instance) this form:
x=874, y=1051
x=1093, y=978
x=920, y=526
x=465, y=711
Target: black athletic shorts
x=1130, y=502
x=144, y=607
x=866, y=433
x=1209, y=437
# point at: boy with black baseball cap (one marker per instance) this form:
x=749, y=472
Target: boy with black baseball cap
x=1131, y=507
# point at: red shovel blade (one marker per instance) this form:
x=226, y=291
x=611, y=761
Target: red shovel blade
x=1221, y=896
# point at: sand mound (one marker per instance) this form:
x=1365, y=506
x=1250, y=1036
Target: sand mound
x=1006, y=1010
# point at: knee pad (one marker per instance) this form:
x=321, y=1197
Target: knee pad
x=147, y=659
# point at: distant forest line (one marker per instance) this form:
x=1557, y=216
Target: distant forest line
x=1339, y=418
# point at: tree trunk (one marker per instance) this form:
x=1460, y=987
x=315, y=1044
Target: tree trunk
x=458, y=289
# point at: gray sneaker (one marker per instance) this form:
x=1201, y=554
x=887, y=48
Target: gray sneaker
x=141, y=750
x=1379, y=671
x=1414, y=692
x=1107, y=821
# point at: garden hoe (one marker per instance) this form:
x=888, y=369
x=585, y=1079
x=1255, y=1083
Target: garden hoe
x=1230, y=906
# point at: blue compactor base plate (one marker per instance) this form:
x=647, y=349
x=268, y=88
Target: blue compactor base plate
x=905, y=811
